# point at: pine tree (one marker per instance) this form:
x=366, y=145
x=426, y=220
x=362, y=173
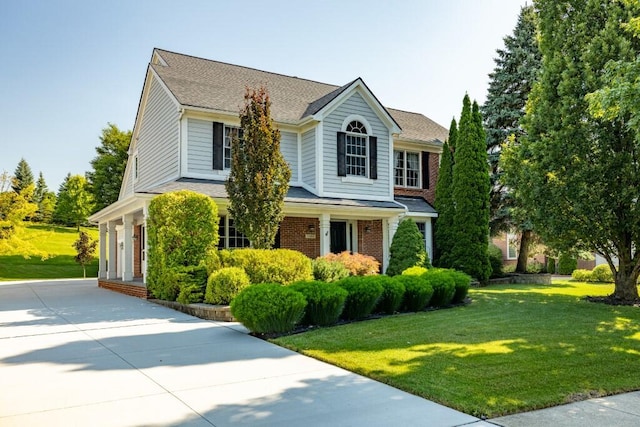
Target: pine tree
x=22, y=177
x=108, y=166
x=45, y=200
x=259, y=178
x=517, y=68
x=579, y=175
x=41, y=189
x=444, y=204
x=471, y=196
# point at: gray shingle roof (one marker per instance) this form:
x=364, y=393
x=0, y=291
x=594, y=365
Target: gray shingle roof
x=219, y=86
x=216, y=189
x=416, y=204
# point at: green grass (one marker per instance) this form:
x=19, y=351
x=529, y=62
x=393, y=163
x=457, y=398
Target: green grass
x=55, y=244
x=514, y=348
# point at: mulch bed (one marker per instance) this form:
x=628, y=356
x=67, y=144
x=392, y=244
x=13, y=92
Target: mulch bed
x=611, y=300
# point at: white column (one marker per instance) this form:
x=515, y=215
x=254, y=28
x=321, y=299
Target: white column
x=393, y=227
x=385, y=245
x=145, y=212
x=325, y=234
x=113, y=247
x=127, y=261
x=102, y=251
x=428, y=237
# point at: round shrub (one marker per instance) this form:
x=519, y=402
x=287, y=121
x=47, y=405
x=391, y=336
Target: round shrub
x=601, y=273
x=392, y=295
x=495, y=259
x=444, y=287
x=407, y=248
x=325, y=302
x=268, y=308
x=414, y=271
x=329, y=271
x=566, y=264
x=462, y=282
x=284, y=266
x=363, y=294
x=224, y=284
x=581, y=275
x=417, y=294
x=357, y=264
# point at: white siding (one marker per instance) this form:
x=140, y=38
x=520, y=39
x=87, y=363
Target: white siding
x=309, y=158
x=158, y=148
x=200, y=146
x=380, y=187
x=126, y=189
x=289, y=148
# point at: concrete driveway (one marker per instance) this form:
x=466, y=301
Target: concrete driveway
x=72, y=354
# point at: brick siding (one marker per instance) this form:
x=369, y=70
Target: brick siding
x=429, y=194
x=137, y=290
x=370, y=242
x=293, y=235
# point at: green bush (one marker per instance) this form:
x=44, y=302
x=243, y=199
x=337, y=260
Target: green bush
x=417, y=293
x=392, y=295
x=414, y=271
x=284, y=266
x=407, y=249
x=581, y=275
x=182, y=228
x=329, y=271
x=325, y=302
x=444, y=287
x=535, y=267
x=495, y=259
x=363, y=294
x=551, y=265
x=462, y=283
x=192, y=282
x=602, y=273
x=213, y=261
x=224, y=284
x=268, y=308
x=566, y=264
x=357, y=264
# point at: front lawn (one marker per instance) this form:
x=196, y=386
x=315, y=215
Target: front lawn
x=515, y=348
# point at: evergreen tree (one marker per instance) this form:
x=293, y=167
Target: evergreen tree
x=41, y=189
x=22, y=177
x=471, y=196
x=75, y=203
x=407, y=249
x=579, y=175
x=259, y=178
x=45, y=200
x=444, y=204
x=517, y=67
x=108, y=166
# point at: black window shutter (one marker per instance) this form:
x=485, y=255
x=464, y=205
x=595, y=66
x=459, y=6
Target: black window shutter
x=425, y=169
x=342, y=161
x=218, y=146
x=373, y=157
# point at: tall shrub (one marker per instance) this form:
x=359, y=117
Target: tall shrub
x=444, y=234
x=407, y=249
x=182, y=229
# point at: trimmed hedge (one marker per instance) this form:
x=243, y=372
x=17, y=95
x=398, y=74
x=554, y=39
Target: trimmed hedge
x=444, y=287
x=284, y=266
x=392, y=295
x=269, y=308
x=495, y=259
x=225, y=284
x=363, y=294
x=602, y=273
x=414, y=271
x=325, y=302
x=566, y=264
x=329, y=271
x=417, y=294
x=462, y=282
x=581, y=275
x=357, y=264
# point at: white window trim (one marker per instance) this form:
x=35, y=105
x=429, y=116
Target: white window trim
x=136, y=172
x=404, y=178
x=224, y=146
x=345, y=123
x=510, y=237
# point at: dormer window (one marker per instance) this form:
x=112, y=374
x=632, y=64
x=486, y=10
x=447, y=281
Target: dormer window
x=356, y=149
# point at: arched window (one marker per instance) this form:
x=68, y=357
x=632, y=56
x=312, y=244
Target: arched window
x=356, y=143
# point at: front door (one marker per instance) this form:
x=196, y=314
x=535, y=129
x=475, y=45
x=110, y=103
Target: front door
x=338, y=236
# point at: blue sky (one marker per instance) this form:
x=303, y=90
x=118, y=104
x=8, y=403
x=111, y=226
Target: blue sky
x=70, y=67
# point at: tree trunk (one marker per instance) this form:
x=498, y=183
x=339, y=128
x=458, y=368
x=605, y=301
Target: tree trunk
x=626, y=283
x=523, y=252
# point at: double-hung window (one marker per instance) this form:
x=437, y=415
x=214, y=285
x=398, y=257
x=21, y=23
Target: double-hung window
x=406, y=169
x=356, y=149
x=229, y=134
x=230, y=237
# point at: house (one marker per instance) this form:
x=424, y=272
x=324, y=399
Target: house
x=357, y=167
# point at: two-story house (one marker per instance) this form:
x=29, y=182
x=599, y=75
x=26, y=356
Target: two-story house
x=357, y=168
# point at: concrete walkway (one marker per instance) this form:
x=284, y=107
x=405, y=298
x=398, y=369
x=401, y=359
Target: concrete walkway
x=72, y=354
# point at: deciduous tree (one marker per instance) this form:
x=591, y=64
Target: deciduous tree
x=108, y=166
x=259, y=178
x=579, y=175
x=85, y=249
x=75, y=202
